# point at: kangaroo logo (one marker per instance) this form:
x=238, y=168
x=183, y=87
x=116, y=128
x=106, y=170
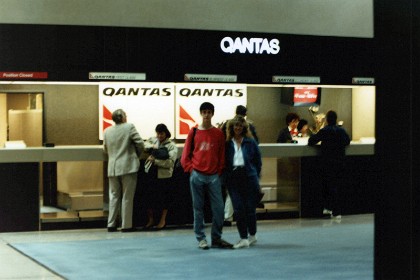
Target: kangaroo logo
x=186, y=122
x=106, y=118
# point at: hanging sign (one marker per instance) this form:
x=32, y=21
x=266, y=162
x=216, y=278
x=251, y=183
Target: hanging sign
x=117, y=76
x=363, y=81
x=304, y=95
x=296, y=80
x=209, y=78
x=23, y=75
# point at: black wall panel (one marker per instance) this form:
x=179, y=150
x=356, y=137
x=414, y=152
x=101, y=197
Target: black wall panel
x=397, y=196
x=68, y=53
x=19, y=197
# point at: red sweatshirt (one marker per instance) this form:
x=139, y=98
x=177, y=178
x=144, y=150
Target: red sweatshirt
x=209, y=151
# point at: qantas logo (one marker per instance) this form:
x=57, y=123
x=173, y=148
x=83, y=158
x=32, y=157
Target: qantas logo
x=106, y=118
x=186, y=122
x=252, y=45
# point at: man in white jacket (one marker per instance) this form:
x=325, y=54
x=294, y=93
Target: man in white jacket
x=123, y=145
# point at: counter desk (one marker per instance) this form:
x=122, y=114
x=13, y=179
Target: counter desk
x=95, y=152
x=23, y=172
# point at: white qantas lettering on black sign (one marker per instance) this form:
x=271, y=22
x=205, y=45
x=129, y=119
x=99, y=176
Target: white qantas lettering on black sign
x=252, y=45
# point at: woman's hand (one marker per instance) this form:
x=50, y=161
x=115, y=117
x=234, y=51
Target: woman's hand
x=151, y=158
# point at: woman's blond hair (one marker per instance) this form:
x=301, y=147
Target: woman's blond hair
x=231, y=124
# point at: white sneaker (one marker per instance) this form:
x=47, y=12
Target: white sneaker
x=338, y=217
x=203, y=245
x=326, y=212
x=243, y=243
x=252, y=239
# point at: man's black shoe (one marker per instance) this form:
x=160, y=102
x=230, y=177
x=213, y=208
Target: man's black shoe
x=112, y=229
x=222, y=244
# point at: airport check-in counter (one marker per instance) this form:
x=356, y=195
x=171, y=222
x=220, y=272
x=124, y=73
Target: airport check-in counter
x=24, y=172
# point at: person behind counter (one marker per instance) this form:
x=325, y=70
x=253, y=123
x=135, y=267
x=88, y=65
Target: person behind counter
x=333, y=140
x=286, y=134
x=159, y=168
x=123, y=145
x=303, y=128
x=204, y=158
x=243, y=168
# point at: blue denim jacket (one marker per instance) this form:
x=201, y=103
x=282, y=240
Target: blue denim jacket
x=251, y=153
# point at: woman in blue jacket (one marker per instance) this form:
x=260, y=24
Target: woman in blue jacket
x=243, y=168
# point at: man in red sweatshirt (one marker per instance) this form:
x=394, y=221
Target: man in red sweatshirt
x=204, y=157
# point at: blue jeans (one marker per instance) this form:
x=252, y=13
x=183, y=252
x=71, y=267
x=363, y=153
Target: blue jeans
x=199, y=183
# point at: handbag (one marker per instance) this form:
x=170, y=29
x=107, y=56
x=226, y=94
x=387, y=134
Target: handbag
x=160, y=153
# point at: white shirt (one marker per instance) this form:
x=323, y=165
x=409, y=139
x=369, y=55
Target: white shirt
x=238, y=158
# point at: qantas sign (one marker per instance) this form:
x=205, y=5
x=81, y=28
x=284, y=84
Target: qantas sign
x=252, y=45
x=174, y=104
x=203, y=91
x=137, y=91
x=146, y=105
x=189, y=97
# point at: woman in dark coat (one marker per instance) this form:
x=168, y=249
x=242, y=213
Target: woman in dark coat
x=243, y=168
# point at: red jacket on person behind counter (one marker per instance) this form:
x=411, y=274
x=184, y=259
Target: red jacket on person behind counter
x=209, y=151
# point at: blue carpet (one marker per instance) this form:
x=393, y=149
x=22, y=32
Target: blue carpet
x=333, y=252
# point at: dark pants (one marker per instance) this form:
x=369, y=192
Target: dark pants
x=158, y=193
x=332, y=174
x=243, y=191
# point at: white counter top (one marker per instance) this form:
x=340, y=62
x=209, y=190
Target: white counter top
x=57, y=153
x=95, y=152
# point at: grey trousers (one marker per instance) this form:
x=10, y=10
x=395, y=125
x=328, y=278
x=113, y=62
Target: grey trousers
x=121, y=196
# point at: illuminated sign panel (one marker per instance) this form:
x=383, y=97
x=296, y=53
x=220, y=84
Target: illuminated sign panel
x=305, y=95
x=189, y=97
x=296, y=79
x=23, y=75
x=209, y=78
x=363, y=81
x=146, y=105
x=117, y=76
x=175, y=104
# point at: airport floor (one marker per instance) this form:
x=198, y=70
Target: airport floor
x=16, y=265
